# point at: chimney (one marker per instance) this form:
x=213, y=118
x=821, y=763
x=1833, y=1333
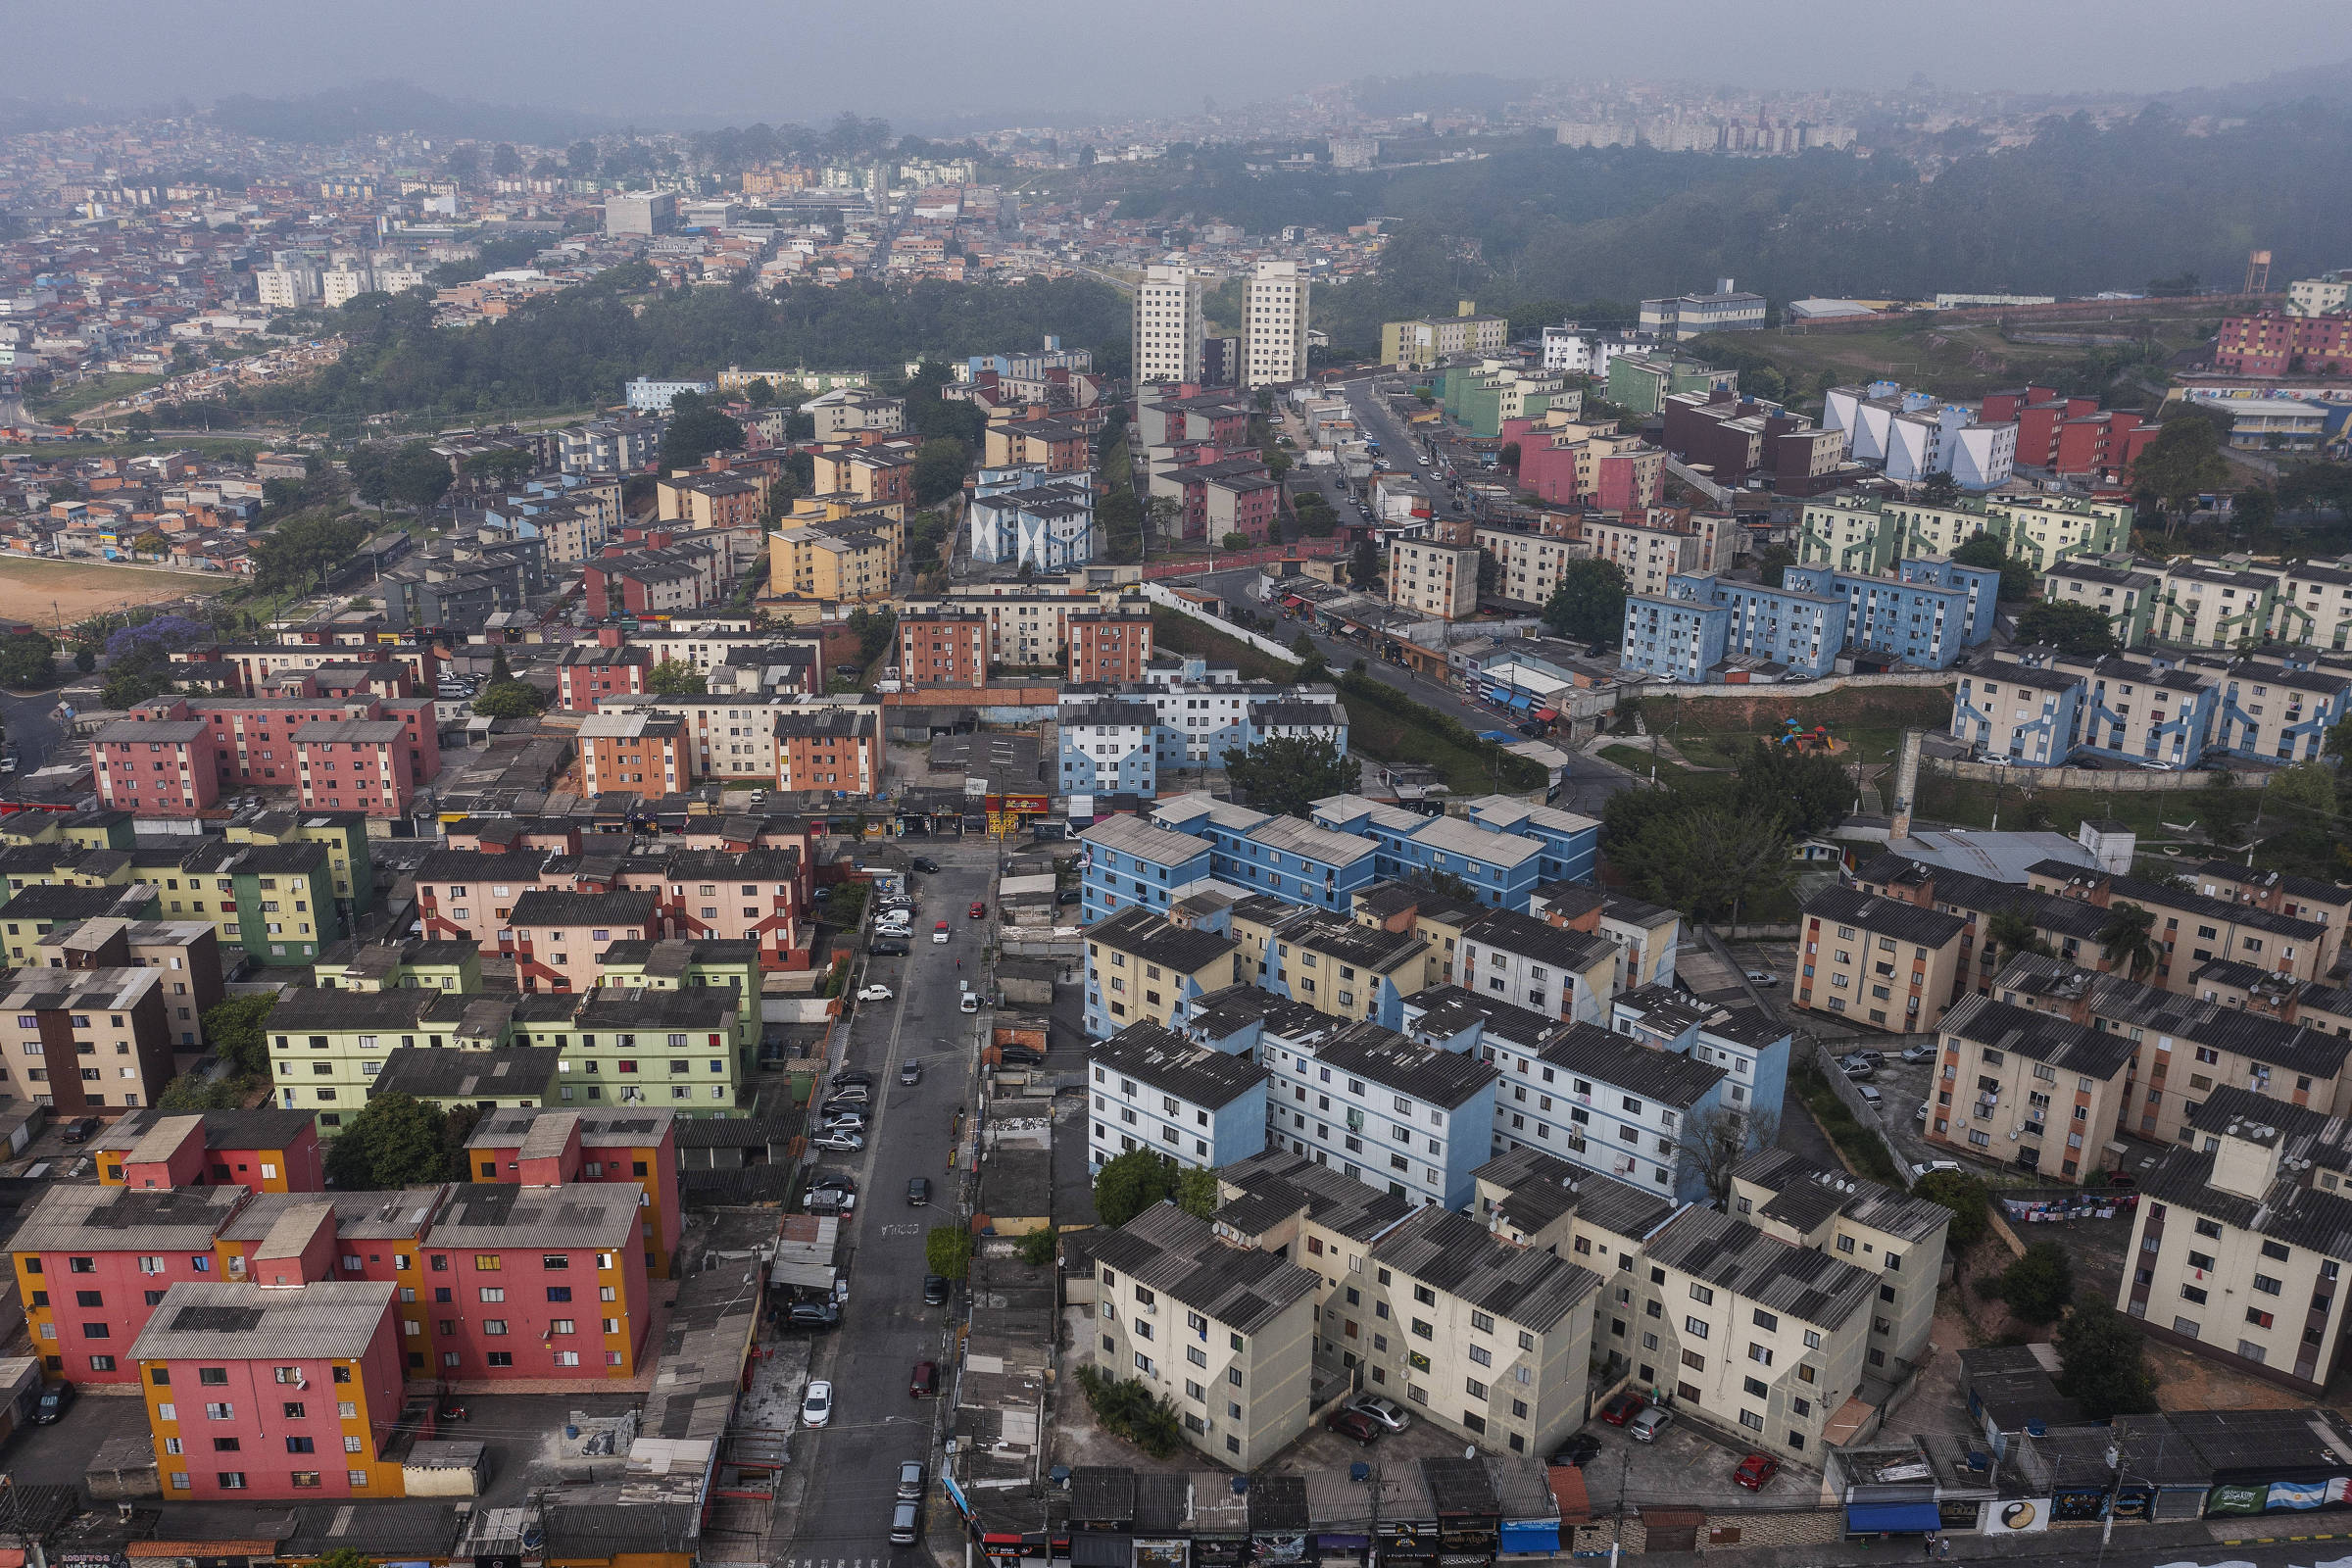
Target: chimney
x=1906, y=783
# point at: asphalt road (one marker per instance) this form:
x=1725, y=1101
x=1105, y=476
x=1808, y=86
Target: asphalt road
x=852, y=1465
x=26, y=722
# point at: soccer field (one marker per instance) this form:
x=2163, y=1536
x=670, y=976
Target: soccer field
x=45, y=592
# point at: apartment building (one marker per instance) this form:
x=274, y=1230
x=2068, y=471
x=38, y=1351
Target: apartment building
x=513, y=1268
x=1749, y=1044
x=1556, y=971
x=2035, y=1092
x=1699, y=623
x=85, y=1303
x=643, y=754
x=879, y=475
x=1297, y=862
x=2209, y=928
x=1566, y=842
x=2215, y=605
x=847, y=410
x=1273, y=326
x=557, y=940
x=245, y=1389
x=1867, y=535
x=1928, y=616
x=1029, y=515
x=1683, y=317
x=2024, y=714
x=1489, y=1338
x=1649, y=555
x=1105, y=747
x=942, y=648
x=1338, y=966
x=263, y=1149
x=836, y=750
x=90, y=1038
x=1606, y=1103
x=1110, y=645
x=2118, y=586
x=1168, y=325
x=1528, y=566
x=155, y=767
x=588, y=673
x=358, y=764
x=1499, y=868
x=1879, y=962
x=555, y=1149
x=837, y=561
x=1873, y=1227
x=1388, y=1109
x=185, y=953
x=1155, y=1089
x=1140, y=969
x=1434, y=579
x=2258, y=1195
x=1129, y=862
x=1418, y=345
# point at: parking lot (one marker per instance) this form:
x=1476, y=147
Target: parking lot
x=1683, y=1465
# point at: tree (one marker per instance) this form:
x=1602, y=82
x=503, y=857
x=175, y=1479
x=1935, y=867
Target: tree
x=1589, y=606
x=1363, y=564
x=1772, y=563
x=2223, y=808
x=670, y=679
x=2038, y=1284
x=187, y=1092
x=1131, y=1182
x=1235, y=541
x=948, y=1250
x=1198, y=1192
x=1716, y=1139
x=939, y=466
x=1968, y=1200
x=1285, y=774
x=876, y=630
x=1701, y=854
x=2017, y=577
x=2308, y=785
x=27, y=660
x=151, y=542
x=2104, y=1367
x=1037, y=1246
x=461, y=164
x=512, y=698
x=2182, y=464
x=2076, y=630
x=1489, y=572
x=395, y=1141
x=238, y=1031
x=2126, y=939
x=695, y=432
x=304, y=549
x=1809, y=789
x=1939, y=489
x=1304, y=647
x=345, y=1557
x=1508, y=457
x=2012, y=931
x=504, y=161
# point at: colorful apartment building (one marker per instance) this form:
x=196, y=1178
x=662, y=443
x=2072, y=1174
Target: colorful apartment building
x=610, y=666
x=834, y=749
x=942, y=648
x=90, y=1040
x=158, y=768
x=267, y=1150
x=636, y=1147
x=2267, y=343
x=643, y=754
x=1110, y=645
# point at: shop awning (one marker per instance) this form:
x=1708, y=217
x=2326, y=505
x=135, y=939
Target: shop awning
x=1898, y=1518
x=1089, y=1550
x=1518, y=699
x=1293, y=601
x=1547, y=712
x=1531, y=1537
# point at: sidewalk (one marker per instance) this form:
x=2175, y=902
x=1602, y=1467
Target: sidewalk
x=2133, y=1541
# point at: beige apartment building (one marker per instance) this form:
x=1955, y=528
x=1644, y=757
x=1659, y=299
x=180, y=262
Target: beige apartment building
x=1878, y=1228
x=1434, y=579
x=1438, y=920
x=830, y=562
x=2241, y=1239
x=1647, y=554
x=2035, y=1092
x=1527, y=566
x=1274, y=325
x=1167, y=329
x=1878, y=960
x=1142, y=970
x=1417, y=345
x=1223, y=1330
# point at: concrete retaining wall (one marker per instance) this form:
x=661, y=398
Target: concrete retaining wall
x=1158, y=594
x=2122, y=780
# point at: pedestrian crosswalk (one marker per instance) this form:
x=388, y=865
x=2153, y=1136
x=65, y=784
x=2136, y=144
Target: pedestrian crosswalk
x=833, y=1562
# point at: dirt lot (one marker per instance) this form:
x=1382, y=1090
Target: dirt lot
x=42, y=590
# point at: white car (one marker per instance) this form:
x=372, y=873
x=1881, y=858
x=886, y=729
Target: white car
x=1763, y=977
x=841, y=1142
x=816, y=1406
x=970, y=1002
x=940, y=933
x=873, y=993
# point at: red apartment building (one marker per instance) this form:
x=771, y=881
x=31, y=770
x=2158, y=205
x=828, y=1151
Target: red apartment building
x=2268, y=343
x=254, y=741
x=942, y=648
x=2103, y=445
x=266, y=1148
x=157, y=767
x=356, y=766
x=606, y=667
x=92, y=1263
x=464, y=896
x=1247, y=504
x=290, y=1394
x=836, y=750
x=1110, y=645
x=556, y=1148
x=637, y=752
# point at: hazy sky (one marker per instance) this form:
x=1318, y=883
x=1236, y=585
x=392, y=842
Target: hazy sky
x=925, y=61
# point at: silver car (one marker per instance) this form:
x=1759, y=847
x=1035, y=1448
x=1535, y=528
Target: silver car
x=1645, y=1427
x=1387, y=1412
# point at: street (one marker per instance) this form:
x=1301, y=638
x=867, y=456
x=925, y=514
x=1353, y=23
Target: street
x=28, y=722
x=843, y=1474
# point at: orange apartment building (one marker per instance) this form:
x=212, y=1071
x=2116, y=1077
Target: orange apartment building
x=834, y=749
x=642, y=754
x=1110, y=645
x=942, y=648
x=881, y=474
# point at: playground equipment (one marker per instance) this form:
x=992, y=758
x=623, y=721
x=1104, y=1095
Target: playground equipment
x=1817, y=739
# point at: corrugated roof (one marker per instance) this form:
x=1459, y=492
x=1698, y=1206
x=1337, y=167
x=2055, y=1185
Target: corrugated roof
x=333, y=1319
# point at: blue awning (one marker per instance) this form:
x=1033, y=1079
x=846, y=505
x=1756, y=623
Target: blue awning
x=1899, y=1518
x=1531, y=1537
x=1520, y=699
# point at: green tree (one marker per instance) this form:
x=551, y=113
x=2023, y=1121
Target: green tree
x=1364, y=565
x=2103, y=1366
x=1304, y=647
x=670, y=679
x=2126, y=938
x=1939, y=489
x=395, y=1141
x=939, y=466
x=512, y=698
x=504, y=161
x=1808, y=790
x=1489, y=572
x=948, y=1250
x=2183, y=463
x=1198, y=1192
x=1130, y=1183
x=2038, y=1284
x=304, y=549
x=1285, y=774
x=2077, y=630
x=2223, y=808
x=1702, y=854
x=1589, y=606
x=1037, y=1246
x=188, y=1093
x=2017, y=577
x=2011, y=932
x=1235, y=541
x=237, y=1029
x=27, y=660
x=1772, y=563
x=695, y=432
x=1968, y=1200
x=1508, y=457
x=877, y=632
x=2308, y=785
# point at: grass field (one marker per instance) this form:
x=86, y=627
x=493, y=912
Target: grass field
x=45, y=592
x=73, y=399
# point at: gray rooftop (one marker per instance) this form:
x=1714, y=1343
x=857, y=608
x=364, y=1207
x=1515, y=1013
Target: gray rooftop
x=323, y=1320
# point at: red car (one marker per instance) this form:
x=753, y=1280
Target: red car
x=1622, y=1408
x=979, y=909
x=1354, y=1424
x=924, y=1385
x=1755, y=1471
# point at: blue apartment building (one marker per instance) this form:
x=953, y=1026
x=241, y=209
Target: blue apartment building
x=2280, y=714
x=1106, y=746
x=1928, y=616
x=2143, y=712
x=1302, y=863
x=2026, y=715
x=1127, y=862
x=1699, y=622
x=1500, y=869
x=1570, y=844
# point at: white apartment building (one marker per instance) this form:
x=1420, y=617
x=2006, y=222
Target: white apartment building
x=1875, y=1228
x=1529, y=566
x=1167, y=325
x=1274, y=326
x=1567, y=350
x=1389, y=1110
x=286, y=287
x=1553, y=970
x=1434, y=579
x=1605, y=1103
x=1154, y=1089
x=1647, y=556
x=338, y=285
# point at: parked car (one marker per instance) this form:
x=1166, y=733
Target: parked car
x=969, y=1002
x=979, y=910
x=1877, y=1058
x=1871, y=1096
x=873, y=993
x=1762, y=977
x=905, y=1523
x=919, y=1190
x=2122, y=1179
x=1857, y=1070
x=1577, y=1450
x=934, y=1290
x=939, y=932
x=851, y=1091
x=910, y=1480
x=924, y=862
x=1354, y=1423
x=839, y=1142
x=1929, y=1167
x=1756, y=1471
x=828, y=1200
x=924, y=1384
x=812, y=1315
x=56, y=1400
x=816, y=1406
x=841, y=1121
x=1020, y=1057
x=853, y=1075
x=886, y=948
x=1066, y=896
x=1919, y=1053
x=1645, y=1427
x=1387, y=1413
x=80, y=1129
x=1622, y=1408
x=911, y=1072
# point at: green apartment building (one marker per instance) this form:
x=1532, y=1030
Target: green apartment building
x=1641, y=384
x=1864, y=535
x=676, y=965
x=416, y=966
x=1481, y=397
x=504, y=1078
x=285, y=898
x=343, y=835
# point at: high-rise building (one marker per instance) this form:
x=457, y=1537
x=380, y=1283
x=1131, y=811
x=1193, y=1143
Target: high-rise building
x=1274, y=326
x=1167, y=325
